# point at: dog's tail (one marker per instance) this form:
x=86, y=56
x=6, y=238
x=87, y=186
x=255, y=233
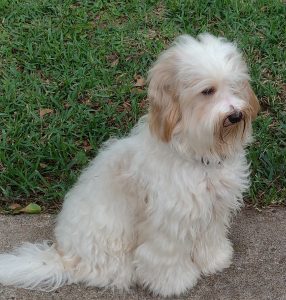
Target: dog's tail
x=34, y=266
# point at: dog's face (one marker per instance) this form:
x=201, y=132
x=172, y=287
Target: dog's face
x=199, y=93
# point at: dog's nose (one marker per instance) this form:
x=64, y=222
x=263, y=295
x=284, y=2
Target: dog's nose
x=235, y=117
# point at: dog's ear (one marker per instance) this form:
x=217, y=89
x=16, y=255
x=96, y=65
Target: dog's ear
x=165, y=110
x=253, y=101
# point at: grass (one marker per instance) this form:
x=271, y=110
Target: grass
x=68, y=74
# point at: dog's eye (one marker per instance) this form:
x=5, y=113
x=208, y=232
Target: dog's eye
x=209, y=91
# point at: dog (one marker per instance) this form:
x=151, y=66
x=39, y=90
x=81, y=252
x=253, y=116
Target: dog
x=154, y=208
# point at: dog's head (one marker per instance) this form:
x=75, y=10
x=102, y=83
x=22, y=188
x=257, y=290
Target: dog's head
x=199, y=93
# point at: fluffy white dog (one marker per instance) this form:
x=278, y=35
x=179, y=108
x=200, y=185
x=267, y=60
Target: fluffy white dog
x=154, y=208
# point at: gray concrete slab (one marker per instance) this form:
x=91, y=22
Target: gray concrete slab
x=258, y=270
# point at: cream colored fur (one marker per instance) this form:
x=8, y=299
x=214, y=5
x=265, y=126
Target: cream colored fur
x=154, y=208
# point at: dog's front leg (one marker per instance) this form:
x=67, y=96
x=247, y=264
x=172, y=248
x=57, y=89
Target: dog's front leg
x=213, y=250
x=164, y=265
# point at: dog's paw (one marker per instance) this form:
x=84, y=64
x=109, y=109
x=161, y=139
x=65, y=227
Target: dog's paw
x=217, y=259
x=169, y=280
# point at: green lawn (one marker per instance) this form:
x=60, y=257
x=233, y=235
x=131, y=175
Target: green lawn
x=69, y=69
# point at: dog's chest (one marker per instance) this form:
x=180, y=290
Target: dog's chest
x=187, y=198
x=202, y=192
x=222, y=190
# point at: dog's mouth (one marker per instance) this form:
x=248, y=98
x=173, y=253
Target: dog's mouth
x=233, y=118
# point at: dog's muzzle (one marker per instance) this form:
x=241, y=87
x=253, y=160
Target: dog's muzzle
x=234, y=118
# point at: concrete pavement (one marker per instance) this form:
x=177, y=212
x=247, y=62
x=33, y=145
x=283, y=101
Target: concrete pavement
x=258, y=271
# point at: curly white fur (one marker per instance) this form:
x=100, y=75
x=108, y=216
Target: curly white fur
x=154, y=208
